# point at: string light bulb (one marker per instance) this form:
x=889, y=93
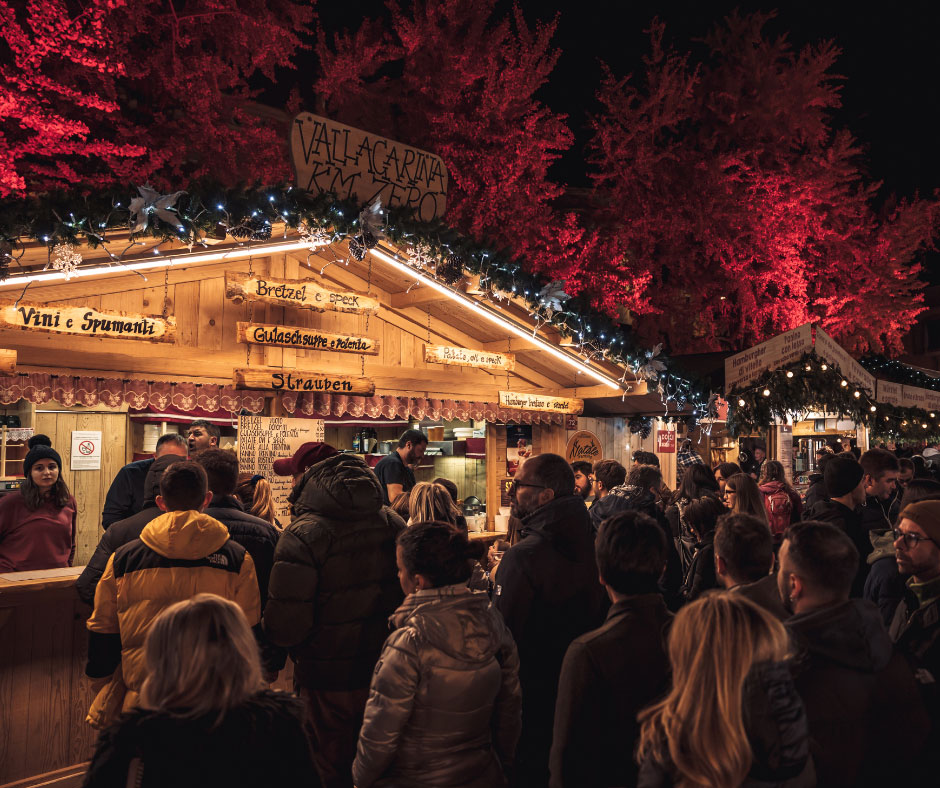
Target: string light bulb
x=766, y=392
x=856, y=394
x=873, y=408
x=824, y=367
x=741, y=403
x=809, y=367
x=789, y=374
x=844, y=384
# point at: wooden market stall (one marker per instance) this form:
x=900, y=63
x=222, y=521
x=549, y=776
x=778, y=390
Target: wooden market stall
x=205, y=335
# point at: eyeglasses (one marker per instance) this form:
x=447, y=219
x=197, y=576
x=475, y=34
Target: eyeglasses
x=909, y=538
x=514, y=485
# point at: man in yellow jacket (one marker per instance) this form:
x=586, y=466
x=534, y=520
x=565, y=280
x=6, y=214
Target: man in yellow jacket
x=181, y=553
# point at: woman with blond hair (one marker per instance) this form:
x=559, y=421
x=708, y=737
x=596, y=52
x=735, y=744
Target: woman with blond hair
x=431, y=503
x=256, y=496
x=733, y=718
x=743, y=496
x=204, y=718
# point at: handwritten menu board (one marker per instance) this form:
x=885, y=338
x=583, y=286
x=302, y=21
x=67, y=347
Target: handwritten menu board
x=264, y=439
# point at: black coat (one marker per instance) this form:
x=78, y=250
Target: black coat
x=764, y=592
x=257, y=744
x=335, y=581
x=124, y=530
x=875, y=514
x=127, y=493
x=548, y=592
x=608, y=676
x=701, y=576
x=850, y=521
x=776, y=729
x=866, y=718
x=815, y=493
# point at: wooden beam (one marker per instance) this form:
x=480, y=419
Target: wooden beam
x=599, y=391
x=417, y=296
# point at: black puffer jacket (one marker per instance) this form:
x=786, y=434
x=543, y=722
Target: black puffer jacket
x=776, y=728
x=124, y=531
x=445, y=705
x=257, y=536
x=258, y=744
x=866, y=718
x=335, y=582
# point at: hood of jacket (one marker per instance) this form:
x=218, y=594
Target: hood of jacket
x=883, y=544
x=771, y=488
x=340, y=487
x=816, y=478
x=850, y=634
x=562, y=520
x=188, y=535
x=634, y=497
x=154, y=475
x=453, y=619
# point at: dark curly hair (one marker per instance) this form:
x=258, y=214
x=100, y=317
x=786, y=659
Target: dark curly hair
x=440, y=552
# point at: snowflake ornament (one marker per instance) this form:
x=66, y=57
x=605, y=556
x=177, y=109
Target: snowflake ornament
x=553, y=296
x=653, y=366
x=313, y=236
x=420, y=256
x=65, y=259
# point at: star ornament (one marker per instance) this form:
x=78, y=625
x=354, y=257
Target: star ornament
x=150, y=202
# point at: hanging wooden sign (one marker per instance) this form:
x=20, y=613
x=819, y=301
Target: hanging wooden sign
x=355, y=164
x=522, y=401
x=583, y=446
x=277, y=379
x=7, y=362
x=88, y=322
x=464, y=357
x=295, y=292
x=304, y=339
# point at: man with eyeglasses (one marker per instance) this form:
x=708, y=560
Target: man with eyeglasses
x=549, y=593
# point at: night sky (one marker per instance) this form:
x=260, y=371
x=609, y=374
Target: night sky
x=891, y=102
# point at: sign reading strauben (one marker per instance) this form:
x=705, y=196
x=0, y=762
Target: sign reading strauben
x=295, y=292
x=277, y=379
x=88, y=322
x=304, y=339
x=351, y=163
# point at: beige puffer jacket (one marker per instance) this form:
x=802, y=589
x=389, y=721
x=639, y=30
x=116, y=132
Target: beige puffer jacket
x=444, y=709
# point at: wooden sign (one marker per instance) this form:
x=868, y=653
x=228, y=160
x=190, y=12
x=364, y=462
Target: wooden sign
x=351, y=163
x=666, y=441
x=513, y=399
x=277, y=379
x=88, y=322
x=583, y=446
x=304, y=339
x=464, y=357
x=303, y=293
x=7, y=362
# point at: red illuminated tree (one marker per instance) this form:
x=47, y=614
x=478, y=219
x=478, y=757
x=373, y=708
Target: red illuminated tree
x=141, y=89
x=737, y=210
x=445, y=76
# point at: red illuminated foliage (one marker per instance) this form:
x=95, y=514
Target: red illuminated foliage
x=446, y=77
x=736, y=209
x=141, y=89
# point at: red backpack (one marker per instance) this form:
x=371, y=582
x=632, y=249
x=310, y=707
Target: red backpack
x=779, y=511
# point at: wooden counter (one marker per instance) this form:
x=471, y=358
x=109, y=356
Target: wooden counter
x=44, y=694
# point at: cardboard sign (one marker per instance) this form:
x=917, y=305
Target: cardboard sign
x=665, y=441
x=583, y=446
x=351, y=163
x=86, y=450
x=932, y=400
x=889, y=393
x=262, y=440
x=277, y=379
x=745, y=367
x=463, y=357
x=826, y=347
x=513, y=399
x=913, y=397
x=784, y=444
x=295, y=292
x=304, y=339
x=88, y=322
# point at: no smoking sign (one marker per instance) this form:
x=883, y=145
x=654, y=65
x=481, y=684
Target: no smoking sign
x=86, y=450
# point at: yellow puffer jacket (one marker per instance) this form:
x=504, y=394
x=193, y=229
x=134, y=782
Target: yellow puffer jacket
x=179, y=555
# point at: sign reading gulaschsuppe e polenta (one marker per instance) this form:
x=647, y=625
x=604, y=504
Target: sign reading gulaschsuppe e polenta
x=88, y=322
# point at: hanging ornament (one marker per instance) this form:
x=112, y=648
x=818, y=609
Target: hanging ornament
x=371, y=220
x=152, y=202
x=65, y=259
x=255, y=229
x=553, y=296
x=313, y=236
x=450, y=270
x=653, y=366
x=640, y=425
x=357, y=249
x=420, y=256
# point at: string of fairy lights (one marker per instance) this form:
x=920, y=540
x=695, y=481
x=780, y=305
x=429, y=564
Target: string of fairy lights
x=208, y=213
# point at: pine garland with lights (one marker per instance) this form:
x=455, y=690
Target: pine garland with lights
x=205, y=210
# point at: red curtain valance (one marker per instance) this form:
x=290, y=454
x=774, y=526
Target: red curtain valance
x=40, y=388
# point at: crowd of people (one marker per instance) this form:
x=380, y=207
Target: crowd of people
x=728, y=633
